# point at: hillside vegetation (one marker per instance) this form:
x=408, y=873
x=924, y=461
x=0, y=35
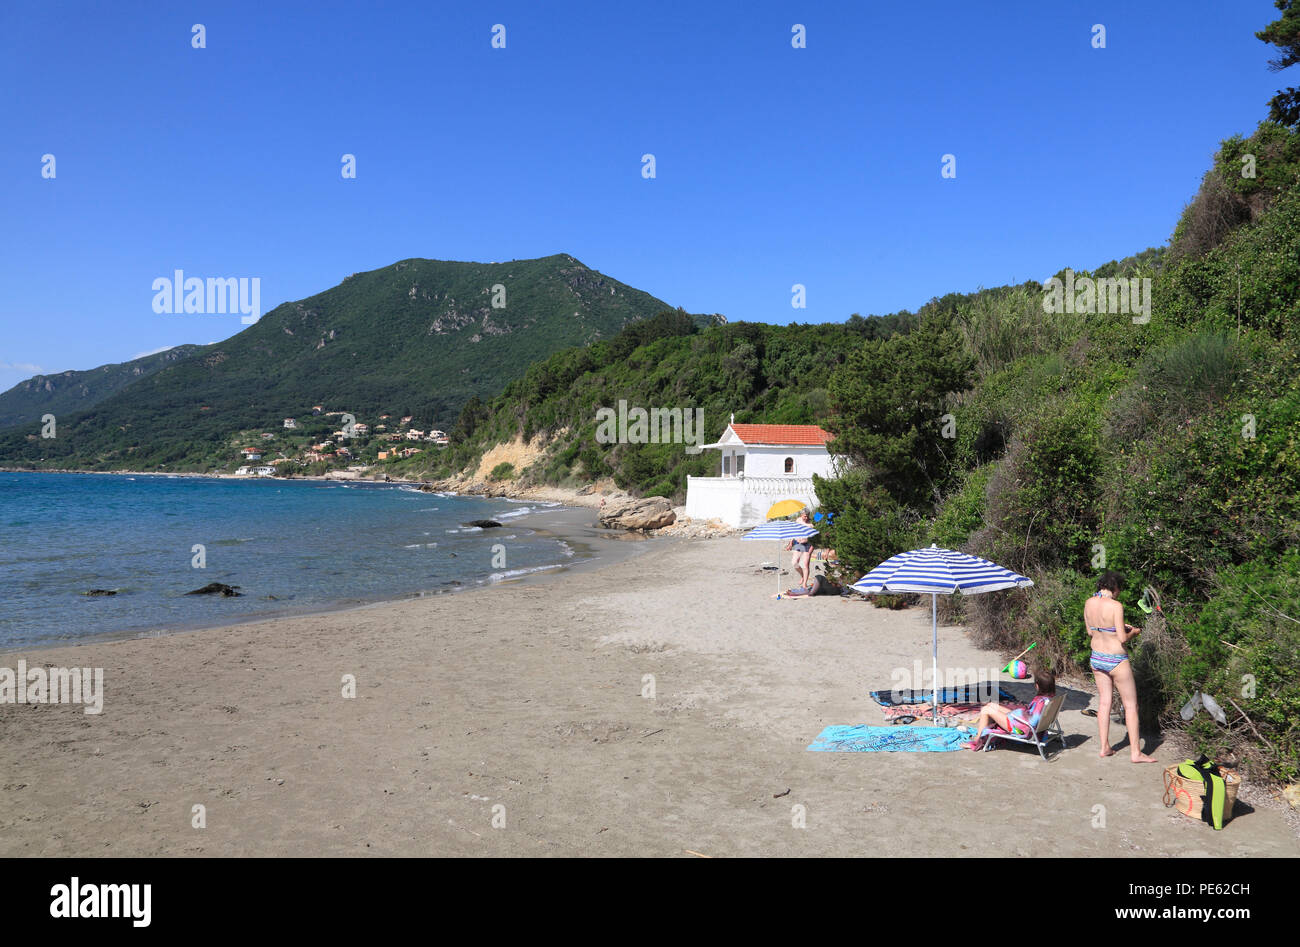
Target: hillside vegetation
x=67, y=392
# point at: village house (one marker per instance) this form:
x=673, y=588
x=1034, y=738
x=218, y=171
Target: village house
x=407, y=419
x=414, y=435
x=386, y=454
x=315, y=455
x=411, y=451
x=290, y=424
x=252, y=453
x=760, y=464
x=361, y=429
x=247, y=471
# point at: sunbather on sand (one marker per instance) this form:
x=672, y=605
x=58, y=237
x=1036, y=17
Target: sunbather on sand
x=1016, y=721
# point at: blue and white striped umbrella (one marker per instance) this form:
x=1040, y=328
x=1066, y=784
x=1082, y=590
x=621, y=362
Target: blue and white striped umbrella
x=939, y=572
x=778, y=530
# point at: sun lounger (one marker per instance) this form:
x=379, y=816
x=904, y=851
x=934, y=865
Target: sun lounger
x=1040, y=734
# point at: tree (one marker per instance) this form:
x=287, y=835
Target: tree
x=1284, y=33
x=890, y=399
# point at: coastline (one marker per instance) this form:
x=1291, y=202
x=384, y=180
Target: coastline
x=588, y=496
x=592, y=548
x=657, y=705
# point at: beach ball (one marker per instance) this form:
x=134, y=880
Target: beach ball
x=1019, y=670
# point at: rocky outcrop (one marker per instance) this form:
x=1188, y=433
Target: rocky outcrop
x=641, y=513
x=483, y=524
x=217, y=588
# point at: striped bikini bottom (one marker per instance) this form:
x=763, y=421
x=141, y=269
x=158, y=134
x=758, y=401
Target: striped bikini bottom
x=1104, y=662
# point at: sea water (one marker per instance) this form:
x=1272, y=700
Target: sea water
x=291, y=546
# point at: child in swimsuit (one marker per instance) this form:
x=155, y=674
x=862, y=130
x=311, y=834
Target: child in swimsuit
x=1017, y=721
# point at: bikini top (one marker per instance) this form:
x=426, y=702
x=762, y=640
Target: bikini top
x=1094, y=627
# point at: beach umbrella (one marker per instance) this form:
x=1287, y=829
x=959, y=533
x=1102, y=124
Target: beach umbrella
x=936, y=572
x=784, y=508
x=780, y=530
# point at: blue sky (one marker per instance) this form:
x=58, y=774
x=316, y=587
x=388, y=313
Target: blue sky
x=774, y=165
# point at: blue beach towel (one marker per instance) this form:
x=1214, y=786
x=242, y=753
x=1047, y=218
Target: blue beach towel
x=847, y=739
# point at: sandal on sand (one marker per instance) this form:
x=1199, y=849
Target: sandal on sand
x=1090, y=712
x=906, y=718
x=973, y=744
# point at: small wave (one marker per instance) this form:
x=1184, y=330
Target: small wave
x=466, y=529
x=511, y=514
x=515, y=573
x=421, y=546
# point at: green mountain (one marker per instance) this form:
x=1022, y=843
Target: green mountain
x=419, y=337
x=68, y=392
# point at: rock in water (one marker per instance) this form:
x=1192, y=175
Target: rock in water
x=101, y=592
x=624, y=512
x=482, y=524
x=217, y=588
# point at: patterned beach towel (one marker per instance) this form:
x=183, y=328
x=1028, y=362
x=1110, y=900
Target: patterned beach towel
x=847, y=739
x=966, y=694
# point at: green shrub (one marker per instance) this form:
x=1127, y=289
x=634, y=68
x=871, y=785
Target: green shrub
x=868, y=525
x=962, y=512
x=1245, y=649
x=502, y=471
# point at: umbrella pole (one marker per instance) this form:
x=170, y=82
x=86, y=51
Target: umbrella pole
x=934, y=657
x=778, y=567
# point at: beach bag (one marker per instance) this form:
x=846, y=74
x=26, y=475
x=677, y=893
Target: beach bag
x=1203, y=790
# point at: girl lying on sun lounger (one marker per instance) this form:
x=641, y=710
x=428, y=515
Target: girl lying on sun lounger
x=1016, y=721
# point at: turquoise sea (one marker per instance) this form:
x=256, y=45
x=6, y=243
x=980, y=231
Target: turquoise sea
x=291, y=546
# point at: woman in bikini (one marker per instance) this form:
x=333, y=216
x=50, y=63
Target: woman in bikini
x=1104, y=618
x=802, y=558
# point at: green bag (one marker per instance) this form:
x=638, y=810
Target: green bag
x=1213, y=801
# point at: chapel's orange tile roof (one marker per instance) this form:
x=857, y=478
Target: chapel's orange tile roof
x=784, y=434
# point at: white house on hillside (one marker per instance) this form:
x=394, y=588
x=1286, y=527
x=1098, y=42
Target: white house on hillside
x=761, y=464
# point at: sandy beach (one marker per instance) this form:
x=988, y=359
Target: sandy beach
x=528, y=705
